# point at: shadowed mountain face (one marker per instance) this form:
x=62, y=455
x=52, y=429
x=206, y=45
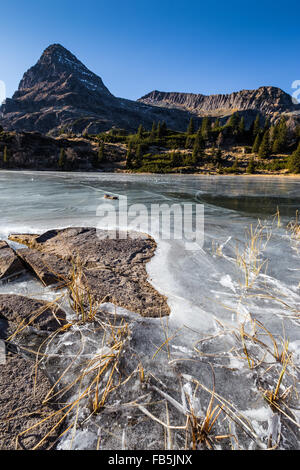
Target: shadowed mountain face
x=60, y=92
x=267, y=100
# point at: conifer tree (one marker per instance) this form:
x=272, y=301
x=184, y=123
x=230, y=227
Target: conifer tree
x=242, y=126
x=158, y=130
x=235, y=165
x=280, y=136
x=205, y=128
x=294, y=161
x=266, y=124
x=188, y=142
x=163, y=128
x=256, y=125
x=5, y=156
x=153, y=131
x=138, y=156
x=61, y=160
x=276, y=147
x=175, y=159
x=129, y=156
x=257, y=141
x=100, y=158
x=233, y=121
x=217, y=123
x=191, y=127
x=251, y=167
x=264, y=148
x=140, y=132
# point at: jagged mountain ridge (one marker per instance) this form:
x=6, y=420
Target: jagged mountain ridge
x=59, y=92
x=265, y=99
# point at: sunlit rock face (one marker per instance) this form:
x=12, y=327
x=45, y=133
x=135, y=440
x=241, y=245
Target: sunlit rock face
x=265, y=99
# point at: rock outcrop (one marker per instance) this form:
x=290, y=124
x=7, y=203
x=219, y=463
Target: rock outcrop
x=105, y=267
x=50, y=269
x=59, y=92
x=10, y=264
x=24, y=421
x=20, y=311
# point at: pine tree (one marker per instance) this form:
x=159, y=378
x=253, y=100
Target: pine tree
x=61, y=160
x=140, y=132
x=5, y=156
x=233, y=121
x=241, y=127
x=205, y=128
x=199, y=141
x=100, y=156
x=280, y=137
x=276, y=147
x=173, y=159
x=266, y=124
x=158, y=130
x=251, y=167
x=264, y=148
x=188, y=142
x=256, y=126
x=256, y=144
x=198, y=144
x=294, y=161
x=129, y=156
x=163, y=129
x=153, y=131
x=235, y=165
x=217, y=124
x=191, y=127
x=138, y=156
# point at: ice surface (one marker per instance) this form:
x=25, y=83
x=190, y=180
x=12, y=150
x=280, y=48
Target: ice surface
x=221, y=335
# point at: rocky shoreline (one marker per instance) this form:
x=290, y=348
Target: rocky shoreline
x=94, y=269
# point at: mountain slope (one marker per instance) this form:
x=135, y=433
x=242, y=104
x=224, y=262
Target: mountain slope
x=60, y=92
x=267, y=100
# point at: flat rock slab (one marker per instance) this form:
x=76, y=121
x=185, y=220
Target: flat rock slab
x=21, y=398
x=10, y=265
x=110, y=268
x=17, y=309
x=50, y=269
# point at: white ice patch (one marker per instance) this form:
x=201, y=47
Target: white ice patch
x=192, y=402
x=226, y=281
x=83, y=440
x=182, y=349
x=258, y=414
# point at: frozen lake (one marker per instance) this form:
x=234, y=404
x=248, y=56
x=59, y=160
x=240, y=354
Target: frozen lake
x=247, y=270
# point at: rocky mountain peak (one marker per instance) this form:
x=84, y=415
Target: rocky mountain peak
x=57, y=53
x=57, y=64
x=60, y=92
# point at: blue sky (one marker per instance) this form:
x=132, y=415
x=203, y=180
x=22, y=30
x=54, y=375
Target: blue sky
x=138, y=46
